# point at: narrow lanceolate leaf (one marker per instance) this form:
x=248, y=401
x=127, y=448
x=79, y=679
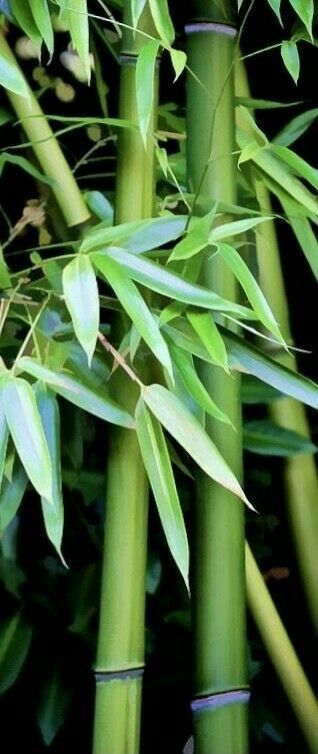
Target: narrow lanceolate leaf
x=255, y=295
x=185, y=428
x=4, y=435
x=11, y=78
x=23, y=16
x=5, y=280
x=266, y=438
x=53, y=512
x=96, y=401
x=296, y=127
x=183, y=362
x=139, y=236
x=78, y=24
x=81, y=298
x=41, y=15
x=161, y=280
x=161, y=16
x=305, y=11
x=158, y=465
x=179, y=61
x=145, y=74
x=136, y=308
x=15, y=639
x=290, y=56
x=27, y=432
x=297, y=164
x=246, y=358
x=303, y=232
x=12, y=492
x=137, y=7
x=205, y=327
x=196, y=238
x=275, y=5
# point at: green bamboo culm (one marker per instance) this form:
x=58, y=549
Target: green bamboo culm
x=47, y=150
x=221, y=694
x=300, y=473
x=120, y=652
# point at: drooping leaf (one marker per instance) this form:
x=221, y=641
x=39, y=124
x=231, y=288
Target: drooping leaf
x=305, y=11
x=275, y=6
x=296, y=128
x=11, y=77
x=161, y=280
x=41, y=15
x=290, y=56
x=54, y=704
x=297, y=164
x=303, y=232
x=23, y=16
x=5, y=280
x=183, y=362
x=254, y=293
x=145, y=74
x=15, y=640
x=81, y=298
x=161, y=16
x=78, y=24
x=137, y=7
x=27, y=432
x=158, y=465
x=137, y=237
x=4, y=436
x=179, y=61
x=256, y=392
x=12, y=492
x=24, y=164
x=135, y=306
x=205, y=327
x=196, y=239
x=183, y=426
x=53, y=511
x=266, y=438
x=94, y=400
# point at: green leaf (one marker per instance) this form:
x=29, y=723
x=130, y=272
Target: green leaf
x=196, y=239
x=290, y=55
x=11, y=77
x=54, y=704
x=160, y=13
x=275, y=6
x=303, y=232
x=179, y=61
x=266, y=438
x=145, y=73
x=255, y=392
x=27, y=433
x=255, y=295
x=183, y=362
x=246, y=358
x=297, y=164
x=78, y=23
x=183, y=426
x=42, y=19
x=158, y=465
x=158, y=279
x=205, y=327
x=5, y=280
x=15, y=640
x=23, y=16
x=24, y=164
x=4, y=436
x=53, y=514
x=305, y=11
x=296, y=128
x=135, y=306
x=81, y=298
x=100, y=206
x=12, y=492
x=95, y=401
x=139, y=236
x=137, y=7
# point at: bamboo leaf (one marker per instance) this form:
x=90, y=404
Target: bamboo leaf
x=145, y=72
x=183, y=362
x=25, y=165
x=161, y=16
x=53, y=512
x=227, y=230
x=256, y=392
x=196, y=239
x=54, y=704
x=305, y=11
x=12, y=493
x=205, y=327
x=303, y=232
x=137, y=7
x=183, y=426
x=23, y=16
x=297, y=164
x=137, y=237
x=158, y=465
x=158, y=279
x=11, y=78
x=15, y=640
x=290, y=56
x=135, y=306
x=79, y=30
x=4, y=436
x=179, y=61
x=266, y=438
x=275, y=6
x=27, y=433
x=296, y=128
x=42, y=19
x=5, y=280
x=82, y=300
x=255, y=295
x=94, y=400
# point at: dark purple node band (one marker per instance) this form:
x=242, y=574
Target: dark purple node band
x=239, y=696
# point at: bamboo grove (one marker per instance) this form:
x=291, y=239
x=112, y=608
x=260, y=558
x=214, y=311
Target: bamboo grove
x=156, y=306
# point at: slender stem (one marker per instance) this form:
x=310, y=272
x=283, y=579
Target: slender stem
x=121, y=629
x=48, y=153
x=300, y=475
x=282, y=654
x=219, y=572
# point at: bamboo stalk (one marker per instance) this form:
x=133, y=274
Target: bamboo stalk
x=121, y=630
x=282, y=654
x=300, y=474
x=220, y=710
x=47, y=150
